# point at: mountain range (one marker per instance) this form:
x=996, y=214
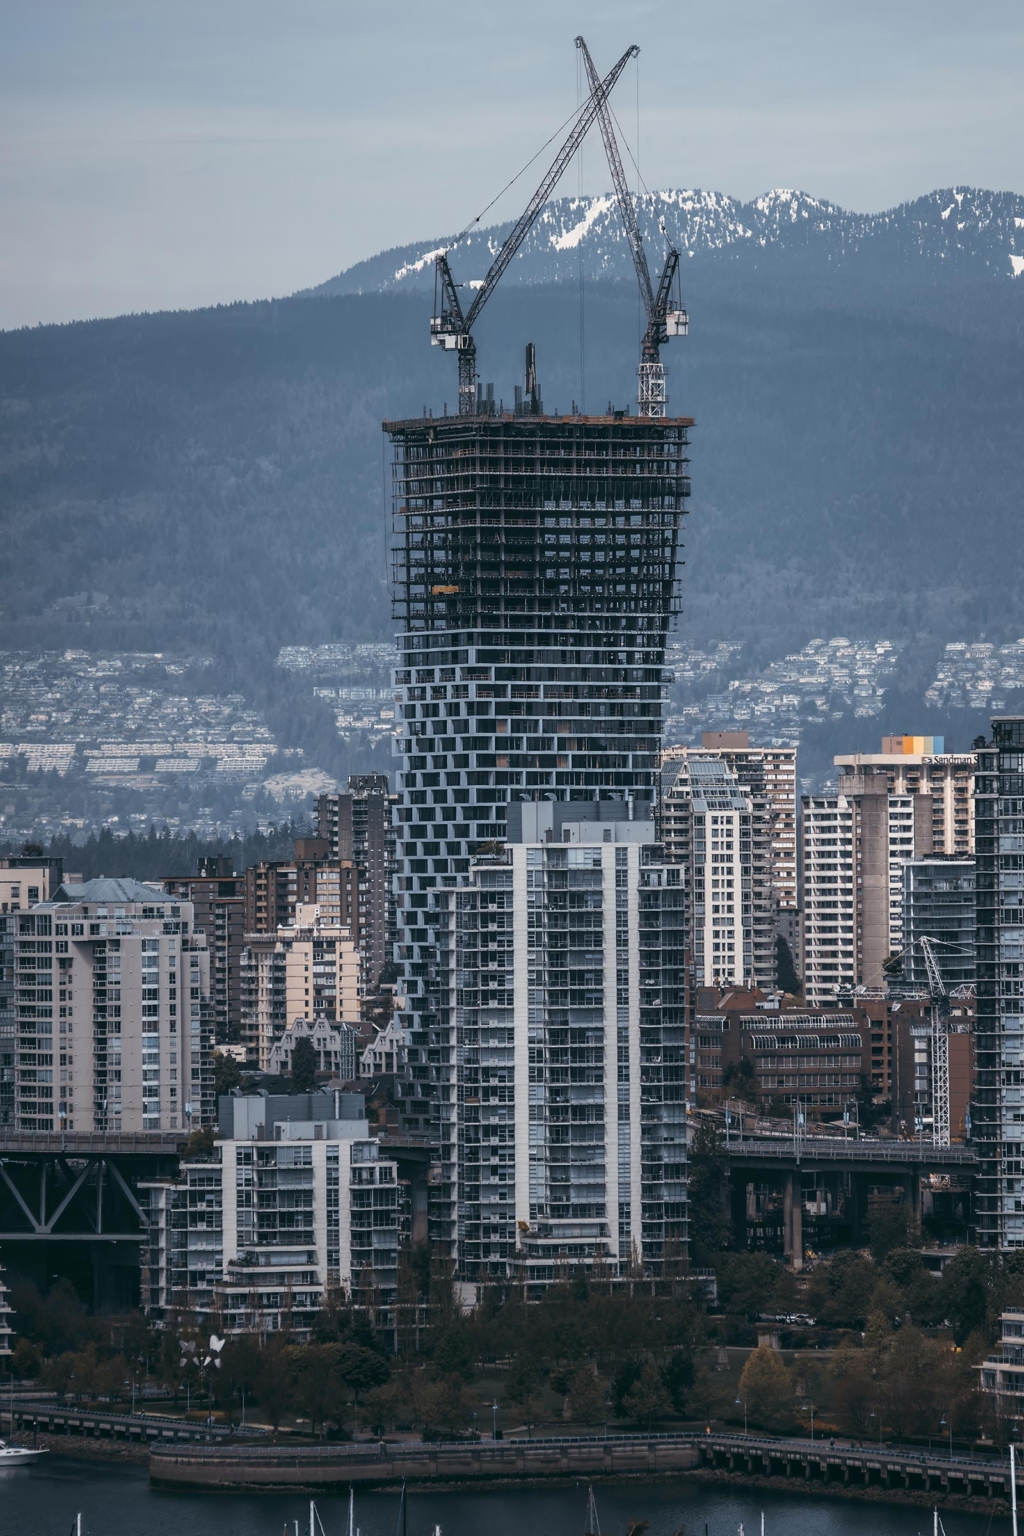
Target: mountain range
x=217, y=479
x=958, y=231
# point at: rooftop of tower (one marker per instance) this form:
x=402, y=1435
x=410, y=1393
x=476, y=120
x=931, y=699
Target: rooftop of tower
x=511, y=418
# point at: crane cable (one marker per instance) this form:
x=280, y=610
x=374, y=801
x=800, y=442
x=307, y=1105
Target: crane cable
x=521, y=172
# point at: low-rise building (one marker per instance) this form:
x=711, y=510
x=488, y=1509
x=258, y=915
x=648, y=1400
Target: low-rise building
x=385, y=1055
x=296, y=1204
x=1002, y=1374
x=335, y=1046
x=5, y=1317
x=816, y=1061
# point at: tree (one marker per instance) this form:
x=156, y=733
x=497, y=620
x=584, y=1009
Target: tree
x=766, y=1387
x=226, y=1074
x=678, y=1377
x=587, y=1399
x=739, y=1077
x=361, y=1368
x=315, y=1383
x=304, y=1065
x=271, y=1378
x=710, y=1227
x=855, y=1392
x=785, y=968
x=26, y=1360
x=198, y=1145
x=889, y=1228
x=647, y=1398
x=966, y=1281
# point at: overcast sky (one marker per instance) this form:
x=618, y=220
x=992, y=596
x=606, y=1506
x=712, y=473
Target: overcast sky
x=172, y=153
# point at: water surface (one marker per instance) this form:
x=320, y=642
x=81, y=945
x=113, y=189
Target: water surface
x=118, y=1501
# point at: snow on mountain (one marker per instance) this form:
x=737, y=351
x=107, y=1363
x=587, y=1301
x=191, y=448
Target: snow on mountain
x=966, y=229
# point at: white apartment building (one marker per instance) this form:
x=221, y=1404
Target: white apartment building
x=311, y=968
x=718, y=830
x=854, y=849
x=297, y=1204
x=563, y=1136
x=768, y=775
x=105, y=1019
x=829, y=897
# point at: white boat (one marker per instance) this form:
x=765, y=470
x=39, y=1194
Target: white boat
x=18, y=1455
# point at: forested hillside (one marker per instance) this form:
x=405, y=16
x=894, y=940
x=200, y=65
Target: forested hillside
x=219, y=475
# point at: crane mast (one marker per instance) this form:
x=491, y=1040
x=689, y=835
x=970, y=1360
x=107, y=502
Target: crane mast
x=450, y=328
x=663, y=322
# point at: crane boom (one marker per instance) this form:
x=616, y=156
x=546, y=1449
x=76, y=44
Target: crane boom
x=452, y=329
x=662, y=322
x=626, y=207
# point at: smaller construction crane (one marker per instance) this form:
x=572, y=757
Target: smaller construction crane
x=940, y=1045
x=664, y=319
x=452, y=329
x=940, y=1000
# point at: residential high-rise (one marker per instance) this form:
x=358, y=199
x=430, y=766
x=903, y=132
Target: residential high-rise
x=312, y=877
x=217, y=896
x=910, y=801
x=535, y=575
x=997, y=1117
x=720, y=830
x=105, y=1018
x=308, y=968
x=358, y=828
x=567, y=1119
x=939, y=903
x=918, y=765
x=768, y=774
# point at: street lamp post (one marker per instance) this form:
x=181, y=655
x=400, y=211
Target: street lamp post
x=742, y=1400
x=943, y=1425
x=878, y=1416
x=809, y=1407
x=494, y=1419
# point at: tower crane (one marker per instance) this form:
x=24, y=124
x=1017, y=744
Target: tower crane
x=939, y=996
x=663, y=321
x=450, y=327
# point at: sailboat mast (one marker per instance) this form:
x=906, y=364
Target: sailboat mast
x=1013, y=1488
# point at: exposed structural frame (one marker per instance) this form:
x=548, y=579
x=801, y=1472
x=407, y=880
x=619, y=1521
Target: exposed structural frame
x=449, y=327
x=663, y=322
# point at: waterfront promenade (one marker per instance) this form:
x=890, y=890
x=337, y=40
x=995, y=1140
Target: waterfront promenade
x=899, y=1471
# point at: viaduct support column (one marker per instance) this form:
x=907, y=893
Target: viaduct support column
x=792, y=1217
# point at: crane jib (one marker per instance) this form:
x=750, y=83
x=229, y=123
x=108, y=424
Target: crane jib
x=450, y=328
